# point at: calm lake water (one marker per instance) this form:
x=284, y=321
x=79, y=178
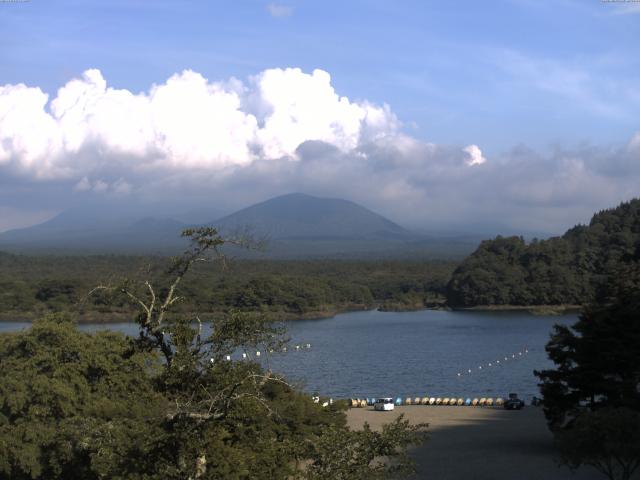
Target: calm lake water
x=374, y=354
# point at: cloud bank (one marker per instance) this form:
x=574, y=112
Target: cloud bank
x=185, y=123
x=190, y=140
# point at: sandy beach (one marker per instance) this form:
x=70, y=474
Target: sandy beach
x=479, y=443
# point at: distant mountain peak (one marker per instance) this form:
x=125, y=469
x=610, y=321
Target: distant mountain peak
x=299, y=215
x=297, y=225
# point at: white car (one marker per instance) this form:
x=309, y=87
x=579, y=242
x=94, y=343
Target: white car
x=383, y=404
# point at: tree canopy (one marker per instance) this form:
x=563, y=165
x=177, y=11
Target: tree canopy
x=566, y=270
x=75, y=405
x=592, y=397
x=32, y=286
x=167, y=404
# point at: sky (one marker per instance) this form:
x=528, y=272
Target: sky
x=519, y=115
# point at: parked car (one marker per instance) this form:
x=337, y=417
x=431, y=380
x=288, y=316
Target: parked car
x=513, y=403
x=383, y=404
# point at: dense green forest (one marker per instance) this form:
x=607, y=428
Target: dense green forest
x=31, y=286
x=566, y=270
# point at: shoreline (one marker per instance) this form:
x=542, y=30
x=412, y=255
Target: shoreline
x=533, y=309
x=127, y=317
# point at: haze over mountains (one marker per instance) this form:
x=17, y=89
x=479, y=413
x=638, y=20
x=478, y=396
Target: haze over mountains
x=296, y=225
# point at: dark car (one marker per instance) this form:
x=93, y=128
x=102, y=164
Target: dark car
x=513, y=403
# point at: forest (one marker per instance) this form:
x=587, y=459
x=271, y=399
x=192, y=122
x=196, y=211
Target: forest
x=31, y=286
x=567, y=270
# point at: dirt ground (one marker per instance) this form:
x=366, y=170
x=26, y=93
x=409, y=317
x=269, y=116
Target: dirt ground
x=474, y=443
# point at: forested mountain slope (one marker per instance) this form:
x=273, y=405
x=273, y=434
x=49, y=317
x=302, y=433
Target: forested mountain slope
x=562, y=270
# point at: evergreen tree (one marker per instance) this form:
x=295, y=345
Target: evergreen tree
x=594, y=391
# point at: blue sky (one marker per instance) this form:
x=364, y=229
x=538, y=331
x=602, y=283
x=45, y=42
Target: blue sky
x=496, y=73
x=541, y=77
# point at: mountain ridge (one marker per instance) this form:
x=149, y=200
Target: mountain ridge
x=297, y=226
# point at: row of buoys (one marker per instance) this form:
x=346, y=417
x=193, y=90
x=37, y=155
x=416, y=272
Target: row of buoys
x=451, y=401
x=297, y=348
x=496, y=363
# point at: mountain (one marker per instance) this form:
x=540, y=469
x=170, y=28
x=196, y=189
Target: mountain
x=304, y=217
x=96, y=230
x=567, y=270
x=303, y=226
x=296, y=226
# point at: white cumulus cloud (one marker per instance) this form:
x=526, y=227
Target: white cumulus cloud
x=474, y=155
x=188, y=122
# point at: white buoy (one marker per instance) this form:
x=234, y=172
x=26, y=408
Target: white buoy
x=284, y=349
x=325, y=404
x=257, y=354
x=469, y=370
x=244, y=356
x=211, y=360
x=297, y=347
x=228, y=358
x=490, y=365
x=480, y=367
x=459, y=374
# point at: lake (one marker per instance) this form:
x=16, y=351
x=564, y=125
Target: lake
x=374, y=354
